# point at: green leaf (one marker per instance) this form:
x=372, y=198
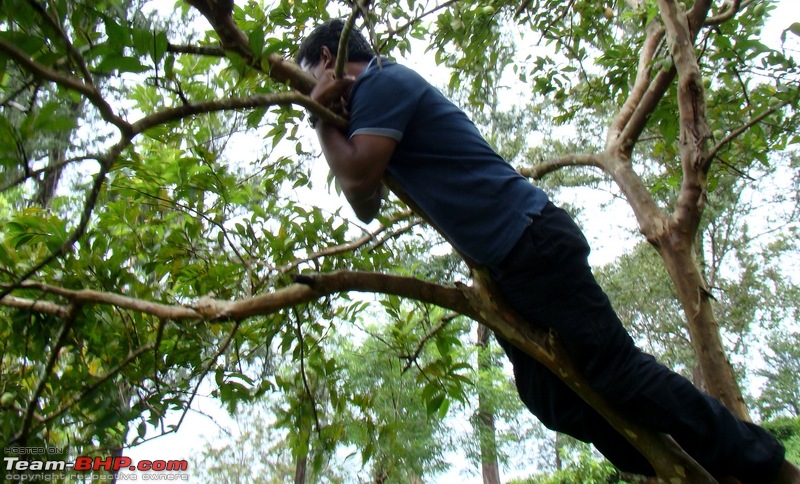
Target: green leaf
x=256, y=39
x=48, y=119
x=435, y=403
x=119, y=63
x=159, y=46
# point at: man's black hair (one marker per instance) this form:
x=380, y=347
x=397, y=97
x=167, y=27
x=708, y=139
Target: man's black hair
x=327, y=34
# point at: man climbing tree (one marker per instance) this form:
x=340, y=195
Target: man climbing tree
x=403, y=128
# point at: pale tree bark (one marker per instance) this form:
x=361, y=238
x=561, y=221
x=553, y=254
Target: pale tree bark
x=673, y=234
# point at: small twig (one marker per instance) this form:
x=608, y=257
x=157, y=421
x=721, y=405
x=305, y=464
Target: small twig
x=71, y=51
x=738, y=131
x=211, y=363
x=47, y=169
x=341, y=52
x=416, y=19
x=395, y=233
x=303, y=371
x=413, y=357
x=347, y=247
x=159, y=336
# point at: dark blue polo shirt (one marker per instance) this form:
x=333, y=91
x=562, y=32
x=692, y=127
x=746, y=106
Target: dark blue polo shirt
x=443, y=163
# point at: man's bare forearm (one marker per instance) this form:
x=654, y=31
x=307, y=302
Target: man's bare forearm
x=360, y=187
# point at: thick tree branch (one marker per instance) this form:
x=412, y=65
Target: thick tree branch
x=649, y=100
x=35, y=306
x=219, y=15
x=255, y=101
x=667, y=458
x=658, y=87
x=477, y=303
x=694, y=130
x=309, y=288
x=653, y=38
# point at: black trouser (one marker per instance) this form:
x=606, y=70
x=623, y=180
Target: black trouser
x=547, y=279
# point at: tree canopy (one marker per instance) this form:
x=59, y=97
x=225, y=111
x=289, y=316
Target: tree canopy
x=157, y=228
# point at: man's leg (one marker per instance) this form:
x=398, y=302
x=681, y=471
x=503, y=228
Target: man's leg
x=548, y=280
x=561, y=409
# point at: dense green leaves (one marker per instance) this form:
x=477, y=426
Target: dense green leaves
x=225, y=204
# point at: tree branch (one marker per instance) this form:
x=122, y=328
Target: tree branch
x=412, y=358
x=694, y=130
x=255, y=101
x=94, y=386
x=88, y=209
x=219, y=15
x=306, y=386
x=477, y=303
x=416, y=19
x=42, y=307
x=638, y=119
x=204, y=50
x=223, y=347
x=73, y=54
x=540, y=170
x=47, y=169
x=670, y=462
x=654, y=36
x=88, y=91
x=348, y=247
x=308, y=288
x=740, y=130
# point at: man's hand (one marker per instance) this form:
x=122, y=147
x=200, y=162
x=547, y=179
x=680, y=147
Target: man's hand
x=333, y=93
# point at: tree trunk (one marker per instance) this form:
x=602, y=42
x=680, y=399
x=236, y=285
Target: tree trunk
x=487, y=433
x=714, y=367
x=557, y=444
x=56, y=156
x=300, y=469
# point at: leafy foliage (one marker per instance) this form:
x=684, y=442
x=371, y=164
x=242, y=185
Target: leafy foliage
x=140, y=159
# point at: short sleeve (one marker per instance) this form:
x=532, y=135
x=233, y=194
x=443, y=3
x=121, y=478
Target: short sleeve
x=382, y=104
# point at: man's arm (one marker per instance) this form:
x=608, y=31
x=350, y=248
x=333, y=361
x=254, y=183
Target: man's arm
x=358, y=165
